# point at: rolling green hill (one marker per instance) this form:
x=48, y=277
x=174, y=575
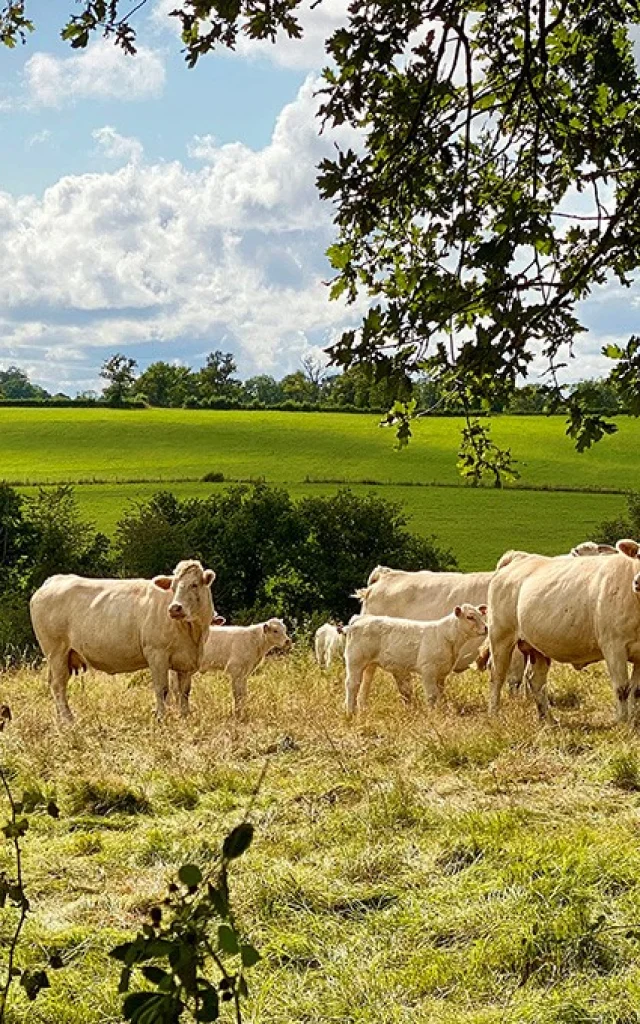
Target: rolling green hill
x=131, y=454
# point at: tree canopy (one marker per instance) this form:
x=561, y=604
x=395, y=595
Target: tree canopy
x=495, y=181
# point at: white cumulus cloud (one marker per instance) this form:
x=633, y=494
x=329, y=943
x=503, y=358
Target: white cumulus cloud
x=116, y=146
x=102, y=71
x=169, y=260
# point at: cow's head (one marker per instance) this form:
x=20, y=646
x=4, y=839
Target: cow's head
x=191, y=588
x=275, y=632
x=631, y=549
x=589, y=547
x=474, y=620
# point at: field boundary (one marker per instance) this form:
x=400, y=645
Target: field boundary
x=337, y=481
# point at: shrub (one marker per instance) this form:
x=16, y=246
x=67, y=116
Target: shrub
x=213, y=478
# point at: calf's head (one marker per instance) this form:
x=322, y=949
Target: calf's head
x=631, y=549
x=190, y=585
x=472, y=620
x=275, y=633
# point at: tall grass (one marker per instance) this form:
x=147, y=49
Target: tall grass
x=411, y=866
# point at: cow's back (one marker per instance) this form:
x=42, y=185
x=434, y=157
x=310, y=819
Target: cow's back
x=424, y=595
x=103, y=620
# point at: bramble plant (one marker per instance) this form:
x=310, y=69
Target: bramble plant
x=193, y=935
x=12, y=887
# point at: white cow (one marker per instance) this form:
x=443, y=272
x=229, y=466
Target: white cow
x=329, y=643
x=426, y=596
x=122, y=626
x=572, y=610
x=404, y=646
x=238, y=650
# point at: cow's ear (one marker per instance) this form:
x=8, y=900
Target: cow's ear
x=218, y=620
x=628, y=547
x=208, y=576
x=162, y=582
x=265, y=627
x=482, y=608
x=458, y=611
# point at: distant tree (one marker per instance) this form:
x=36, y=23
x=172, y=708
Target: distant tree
x=598, y=395
x=316, y=375
x=262, y=388
x=296, y=387
x=164, y=384
x=532, y=398
x=216, y=380
x=119, y=372
x=61, y=540
x=14, y=383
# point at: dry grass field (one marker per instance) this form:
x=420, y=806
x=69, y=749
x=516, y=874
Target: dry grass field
x=409, y=867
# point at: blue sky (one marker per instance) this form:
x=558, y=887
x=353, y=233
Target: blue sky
x=164, y=212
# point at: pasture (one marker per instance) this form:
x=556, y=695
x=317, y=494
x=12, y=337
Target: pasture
x=409, y=867
x=134, y=453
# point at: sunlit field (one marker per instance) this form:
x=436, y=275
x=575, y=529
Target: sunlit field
x=409, y=867
x=128, y=455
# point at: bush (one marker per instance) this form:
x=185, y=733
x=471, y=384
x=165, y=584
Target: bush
x=213, y=478
x=611, y=530
x=270, y=554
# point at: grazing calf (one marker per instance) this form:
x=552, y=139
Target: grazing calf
x=329, y=643
x=122, y=626
x=238, y=650
x=404, y=646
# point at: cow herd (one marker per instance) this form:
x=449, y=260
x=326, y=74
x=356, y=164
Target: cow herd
x=577, y=608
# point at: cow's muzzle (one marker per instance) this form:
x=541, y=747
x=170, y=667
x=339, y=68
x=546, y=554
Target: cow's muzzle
x=636, y=584
x=176, y=611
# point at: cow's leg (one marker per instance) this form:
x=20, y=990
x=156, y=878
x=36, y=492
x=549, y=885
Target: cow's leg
x=239, y=689
x=537, y=681
x=159, y=669
x=403, y=682
x=183, y=689
x=618, y=670
x=516, y=671
x=501, y=652
x=58, y=676
x=353, y=683
x=634, y=694
x=365, y=685
x=433, y=687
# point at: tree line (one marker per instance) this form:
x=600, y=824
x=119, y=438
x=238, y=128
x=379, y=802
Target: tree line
x=358, y=388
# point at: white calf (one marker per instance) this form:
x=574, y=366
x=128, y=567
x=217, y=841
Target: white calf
x=404, y=646
x=329, y=643
x=238, y=650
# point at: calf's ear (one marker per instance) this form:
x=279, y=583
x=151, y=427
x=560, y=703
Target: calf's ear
x=162, y=582
x=208, y=576
x=482, y=608
x=458, y=611
x=218, y=620
x=265, y=627
x=628, y=547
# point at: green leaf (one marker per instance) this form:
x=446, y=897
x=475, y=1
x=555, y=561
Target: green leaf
x=227, y=939
x=249, y=955
x=238, y=841
x=190, y=875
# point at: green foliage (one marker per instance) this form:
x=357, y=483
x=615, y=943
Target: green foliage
x=192, y=934
x=14, y=383
x=118, y=370
x=271, y=554
x=479, y=456
x=612, y=530
x=12, y=886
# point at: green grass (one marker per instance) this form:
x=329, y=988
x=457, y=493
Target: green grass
x=292, y=449
x=410, y=867
x=55, y=444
